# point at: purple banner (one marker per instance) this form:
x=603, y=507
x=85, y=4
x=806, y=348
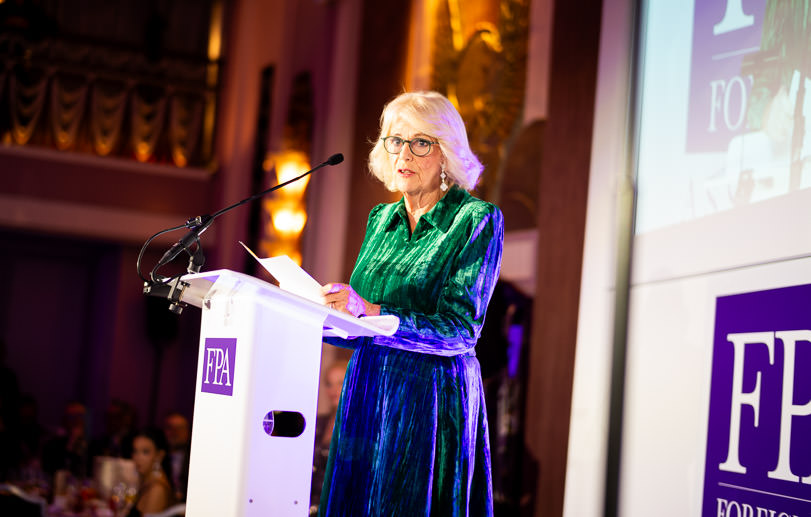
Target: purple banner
x=724, y=32
x=219, y=359
x=758, y=460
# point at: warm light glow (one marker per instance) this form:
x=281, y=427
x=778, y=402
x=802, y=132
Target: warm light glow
x=143, y=151
x=489, y=34
x=276, y=248
x=63, y=138
x=215, y=32
x=289, y=221
x=179, y=157
x=103, y=147
x=22, y=134
x=288, y=165
x=456, y=25
x=451, y=95
x=285, y=210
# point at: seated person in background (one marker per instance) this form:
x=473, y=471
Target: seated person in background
x=29, y=438
x=178, y=434
x=68, y=449
x=150, y=454
x=119, y=429
x=333, y=382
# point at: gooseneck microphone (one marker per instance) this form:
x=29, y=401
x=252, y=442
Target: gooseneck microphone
x=335, y=159
x=157, y=285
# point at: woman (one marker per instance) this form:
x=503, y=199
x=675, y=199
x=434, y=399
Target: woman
x=410, y=435
x=150, y=455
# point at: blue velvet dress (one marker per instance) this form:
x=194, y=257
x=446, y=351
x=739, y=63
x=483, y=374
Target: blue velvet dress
x=410, y=435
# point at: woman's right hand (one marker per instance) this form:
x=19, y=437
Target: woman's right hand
x=343, y=298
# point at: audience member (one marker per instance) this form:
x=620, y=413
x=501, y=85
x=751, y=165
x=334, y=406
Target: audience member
x=29, y=440
x=333, y=382
x=150, y=453
x=68, y=450
x=178, y=434
x=119, y=423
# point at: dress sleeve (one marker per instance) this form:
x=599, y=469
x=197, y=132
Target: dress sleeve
x=455, y=326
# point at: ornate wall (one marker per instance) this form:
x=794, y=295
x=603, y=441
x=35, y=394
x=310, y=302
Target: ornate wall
x=119, y=82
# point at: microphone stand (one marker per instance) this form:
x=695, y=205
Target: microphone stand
x=172, y=288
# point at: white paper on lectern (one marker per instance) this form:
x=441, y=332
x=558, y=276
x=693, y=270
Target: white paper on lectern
x=290, y=276
x=387, y=323
x=294, y=279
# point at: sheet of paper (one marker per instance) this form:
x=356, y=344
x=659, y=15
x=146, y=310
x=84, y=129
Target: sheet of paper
x=293, y=278
x=387, y=323
x=290, y=276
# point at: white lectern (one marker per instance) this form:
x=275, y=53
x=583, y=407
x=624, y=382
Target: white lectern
x=256, y=392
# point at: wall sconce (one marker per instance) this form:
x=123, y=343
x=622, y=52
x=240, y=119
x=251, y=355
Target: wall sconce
x=285, y=212
x=288, y=220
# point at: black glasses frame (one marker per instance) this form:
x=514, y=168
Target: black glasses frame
x=430, y=143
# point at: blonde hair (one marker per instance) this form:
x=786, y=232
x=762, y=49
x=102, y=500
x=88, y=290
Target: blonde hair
x=432, y=114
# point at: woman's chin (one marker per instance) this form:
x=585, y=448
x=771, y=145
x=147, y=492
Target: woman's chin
x=405, y=182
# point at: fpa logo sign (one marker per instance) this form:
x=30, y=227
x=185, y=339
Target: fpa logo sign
x=219, y=358
x=725, y=34
x=759, y=434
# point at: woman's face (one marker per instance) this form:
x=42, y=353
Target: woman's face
x=415, y=175
x=145, y=454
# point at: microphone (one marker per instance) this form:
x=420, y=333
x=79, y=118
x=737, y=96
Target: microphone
x=200, y=224
x=335, y=159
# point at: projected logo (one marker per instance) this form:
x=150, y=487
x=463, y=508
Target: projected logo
x=725, y=60
x=219, y=357
x=759, y=432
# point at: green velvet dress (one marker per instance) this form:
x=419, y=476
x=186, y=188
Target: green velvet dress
x=410, y=436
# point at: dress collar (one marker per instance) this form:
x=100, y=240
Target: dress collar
x=441, y=214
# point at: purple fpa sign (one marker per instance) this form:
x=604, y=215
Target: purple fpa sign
x=725, y=32
x=219, y=359
x=759, y=431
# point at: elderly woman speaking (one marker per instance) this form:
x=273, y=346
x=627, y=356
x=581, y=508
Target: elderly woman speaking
x=410, y=436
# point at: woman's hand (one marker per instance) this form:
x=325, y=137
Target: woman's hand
x=343, y=298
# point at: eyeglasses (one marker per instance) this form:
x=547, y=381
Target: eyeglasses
x=418, y=146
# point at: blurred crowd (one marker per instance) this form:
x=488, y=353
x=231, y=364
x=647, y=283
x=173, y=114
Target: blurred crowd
x=39, y=459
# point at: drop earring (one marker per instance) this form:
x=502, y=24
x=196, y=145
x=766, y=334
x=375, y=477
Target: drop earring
x=444, y=186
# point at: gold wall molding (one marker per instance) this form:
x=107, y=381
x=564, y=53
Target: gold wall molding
x=479, y=55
